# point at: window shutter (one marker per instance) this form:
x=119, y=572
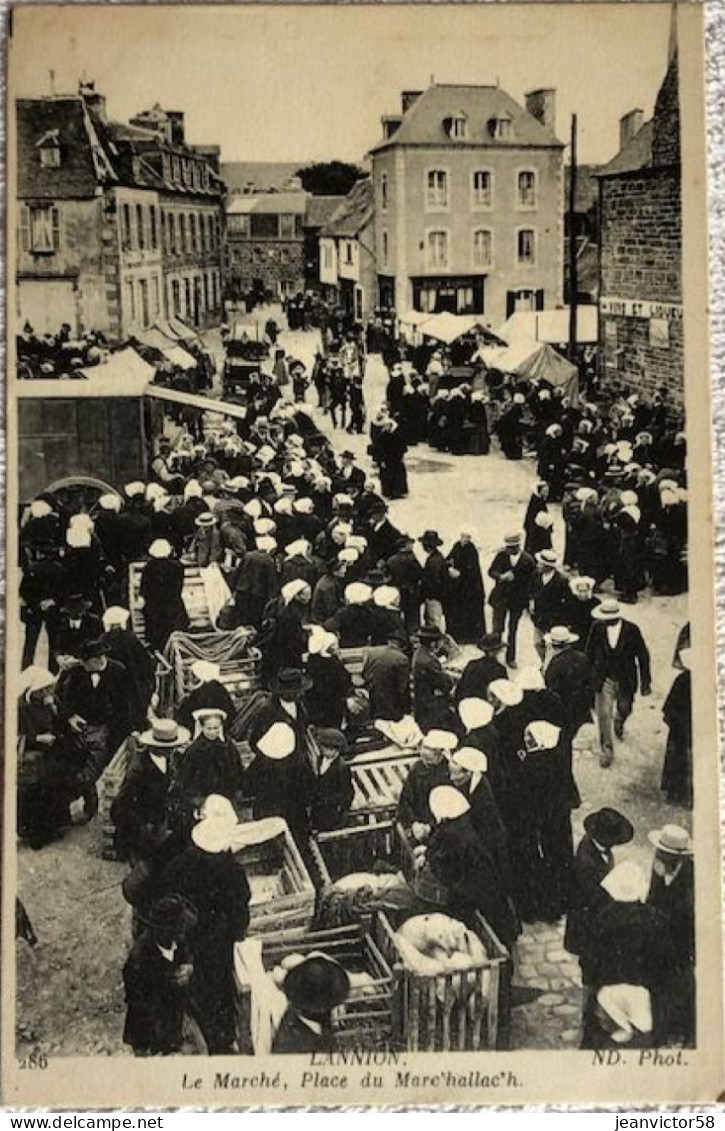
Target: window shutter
x=55, y=214
x=539, y=300
x=510, y=303
x=24, y=228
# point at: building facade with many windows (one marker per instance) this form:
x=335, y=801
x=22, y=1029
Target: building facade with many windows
x=468, y=190
x=119, y=225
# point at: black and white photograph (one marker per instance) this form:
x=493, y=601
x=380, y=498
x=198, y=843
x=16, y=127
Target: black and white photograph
x=360, y=664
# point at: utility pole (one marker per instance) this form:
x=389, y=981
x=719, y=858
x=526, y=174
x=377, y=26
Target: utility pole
x=573, y=281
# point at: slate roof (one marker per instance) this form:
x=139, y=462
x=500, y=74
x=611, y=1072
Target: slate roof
x=354, y=213
x=78, y=176
x=423, y=123
x=636, y=155
x=321, y=209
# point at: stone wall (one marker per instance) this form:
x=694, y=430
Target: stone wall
x=280, y=264
x=641, y=259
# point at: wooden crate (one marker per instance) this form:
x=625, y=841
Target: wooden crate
x=377, y=782
x=353, y=659
x=367, y=1019
x=194, y=596
x=294, y=907
x=240, y=673
x=108, y=787
x=356, y=849
x=455, y=1012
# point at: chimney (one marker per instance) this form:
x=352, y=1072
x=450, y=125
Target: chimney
x=95, y=102
x=390, y=123
x=176, y=126
x=407, y=98
x=541, y=104
x=629, y=125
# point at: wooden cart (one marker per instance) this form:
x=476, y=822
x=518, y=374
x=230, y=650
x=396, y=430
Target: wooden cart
x=454, y=1012
x=292, y=906
x=367, y=1019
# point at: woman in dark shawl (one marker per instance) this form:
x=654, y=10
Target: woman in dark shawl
x=465, y=599
x=677, y=712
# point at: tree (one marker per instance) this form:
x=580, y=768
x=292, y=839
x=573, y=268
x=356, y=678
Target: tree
x=329, y=178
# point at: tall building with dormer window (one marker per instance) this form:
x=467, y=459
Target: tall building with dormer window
x=468, y=190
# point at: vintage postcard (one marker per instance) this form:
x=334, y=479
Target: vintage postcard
x=361, y=734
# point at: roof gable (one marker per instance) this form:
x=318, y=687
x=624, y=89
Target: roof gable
x=426, y=121
x=354, y=213
x=636, y=155
x=80, y=171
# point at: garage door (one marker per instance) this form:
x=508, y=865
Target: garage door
x=47, y=305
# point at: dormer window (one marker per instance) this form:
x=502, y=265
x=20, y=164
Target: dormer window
x=458, y=127
x=501, y=127
x=49, y=150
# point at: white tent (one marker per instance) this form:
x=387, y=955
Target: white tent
x=446, y=327
x=534, y=361
x=125, y=369
x=179, y=358
x=414, y=318
x=551, y=326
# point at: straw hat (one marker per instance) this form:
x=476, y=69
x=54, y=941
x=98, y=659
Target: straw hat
x=671, y=839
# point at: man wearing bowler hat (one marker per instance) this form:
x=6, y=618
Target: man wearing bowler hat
x=478, y=673
x=432, y=686
x=604, y=830
x=621, y=663
x=435, y=579
x=512, y=570
x=313, y=988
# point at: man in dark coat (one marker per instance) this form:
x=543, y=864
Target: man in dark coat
x=672, y=892
x=349, y=478
x=513, y=572
x=406, y=574
x=621, y=663
x=134, y=528
x=604, y=829
x=549, y=593
x=432, y=686
x=313, y=989
x=257, y=584
x=156, y=980
x=435, y=579
x=478, y=673
x=93, y=699
x=386, y=672
x=140, y=809
x=383, y=538
x=333, y=791
x=41, y=592
x=74, y=626
x=569, y=675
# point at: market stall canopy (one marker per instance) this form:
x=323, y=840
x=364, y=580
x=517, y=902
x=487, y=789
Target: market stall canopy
x=125, y=374
x=415, y=318
x=183, y=332
x=179, y=358
x=155, y=339
x=447, y=327
x=551, y=326
x=535, y=361
x=125, y=368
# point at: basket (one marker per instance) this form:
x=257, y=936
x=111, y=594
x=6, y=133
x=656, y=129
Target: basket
x=342, y=851
x=194, y=596
x=366, y=1020
x=454, y=1012
x=294, y=905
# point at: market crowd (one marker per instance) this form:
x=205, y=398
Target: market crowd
x=360, y=630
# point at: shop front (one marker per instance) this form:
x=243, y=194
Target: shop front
x=462, y=294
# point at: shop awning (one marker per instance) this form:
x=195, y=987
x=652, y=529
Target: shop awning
x=551, y=326
x=190, y=400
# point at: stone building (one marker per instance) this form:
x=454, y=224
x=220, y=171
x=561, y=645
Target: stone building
x=96, y=247
x=265, y=244
x=640, y=304
x=348, y=269
x=468, y=189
